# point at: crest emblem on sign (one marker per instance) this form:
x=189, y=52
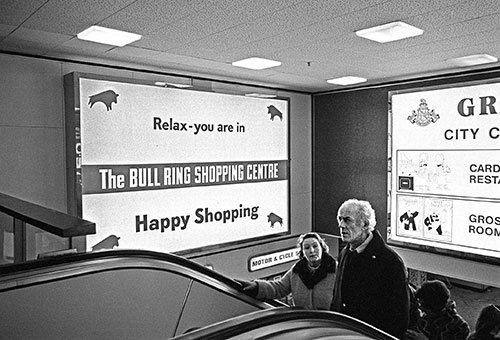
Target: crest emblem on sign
x=423, y=116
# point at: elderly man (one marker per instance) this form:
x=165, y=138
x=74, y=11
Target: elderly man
x=372, y=282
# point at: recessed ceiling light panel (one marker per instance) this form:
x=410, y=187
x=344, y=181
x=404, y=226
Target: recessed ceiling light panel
x=348, y=80
x=476, y=59
x=256, y=63
x=390, y=32
x=108, y=36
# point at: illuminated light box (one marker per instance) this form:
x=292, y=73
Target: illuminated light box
x=445, y=173
x=109, y=36
x=256, y=63
x=175, y=170
x=348, y=80
x=392, y=31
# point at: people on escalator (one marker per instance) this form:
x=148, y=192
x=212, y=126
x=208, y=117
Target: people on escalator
x=440, y=319
x=309, y=281
x=372, y=280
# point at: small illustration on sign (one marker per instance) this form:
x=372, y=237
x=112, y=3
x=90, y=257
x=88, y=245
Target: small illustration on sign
x=107, y=98
x=108, y=243
x=423, y=116
x=274, y=112
x=273, y=218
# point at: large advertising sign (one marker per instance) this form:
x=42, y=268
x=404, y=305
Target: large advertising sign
x=175, y=170
x=444, y=187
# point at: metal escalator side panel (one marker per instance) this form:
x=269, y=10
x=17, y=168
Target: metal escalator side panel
x=125, y=294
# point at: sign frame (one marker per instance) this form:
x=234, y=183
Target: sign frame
x=76, y=188
x=402, y=185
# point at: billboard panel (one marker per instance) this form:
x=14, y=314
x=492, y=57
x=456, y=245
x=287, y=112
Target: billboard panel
x=444, y=179
x=173, y=170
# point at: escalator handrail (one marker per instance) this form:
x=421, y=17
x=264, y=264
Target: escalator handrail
x=52, y=221
x=13, y=276
x=269, y=317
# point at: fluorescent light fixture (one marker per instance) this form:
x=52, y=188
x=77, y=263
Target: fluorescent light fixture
x=260, y=95
x=179, y=86
x=256, y=63
x=181, y=83
x=348, y=80
x=108, y=36
x=476, y=59
x=389, y=32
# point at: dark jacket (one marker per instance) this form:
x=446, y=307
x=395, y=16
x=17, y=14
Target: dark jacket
x=373, y=286
x=446, y=325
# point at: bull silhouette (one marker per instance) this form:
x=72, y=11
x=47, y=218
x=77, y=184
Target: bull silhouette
x=274, y=112
x=273, y=218
x=108, y=243
x=107, y=98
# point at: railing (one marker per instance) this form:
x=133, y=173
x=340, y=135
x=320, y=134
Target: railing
x=51, y=221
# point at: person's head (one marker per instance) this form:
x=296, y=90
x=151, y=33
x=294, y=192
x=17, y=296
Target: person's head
x=433, y=296
x=356, y=220
x=488, y=322
x=312, y=247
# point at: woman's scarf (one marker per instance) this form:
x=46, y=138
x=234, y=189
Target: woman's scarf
x=311, y=278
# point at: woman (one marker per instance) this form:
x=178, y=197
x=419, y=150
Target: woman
x=488, y=324
x=310, y=280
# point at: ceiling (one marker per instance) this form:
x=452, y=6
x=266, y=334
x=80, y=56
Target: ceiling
x=314, y=39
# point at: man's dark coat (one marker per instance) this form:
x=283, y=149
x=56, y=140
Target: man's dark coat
x=373, y=286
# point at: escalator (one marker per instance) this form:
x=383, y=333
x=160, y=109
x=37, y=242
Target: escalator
x=286, y=324
x=118, y=294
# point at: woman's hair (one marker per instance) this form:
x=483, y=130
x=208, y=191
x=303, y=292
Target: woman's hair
x=364, y=211
x=488, y=320
x=303, y=237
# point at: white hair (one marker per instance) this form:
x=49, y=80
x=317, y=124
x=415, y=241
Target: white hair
x=364, y=211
